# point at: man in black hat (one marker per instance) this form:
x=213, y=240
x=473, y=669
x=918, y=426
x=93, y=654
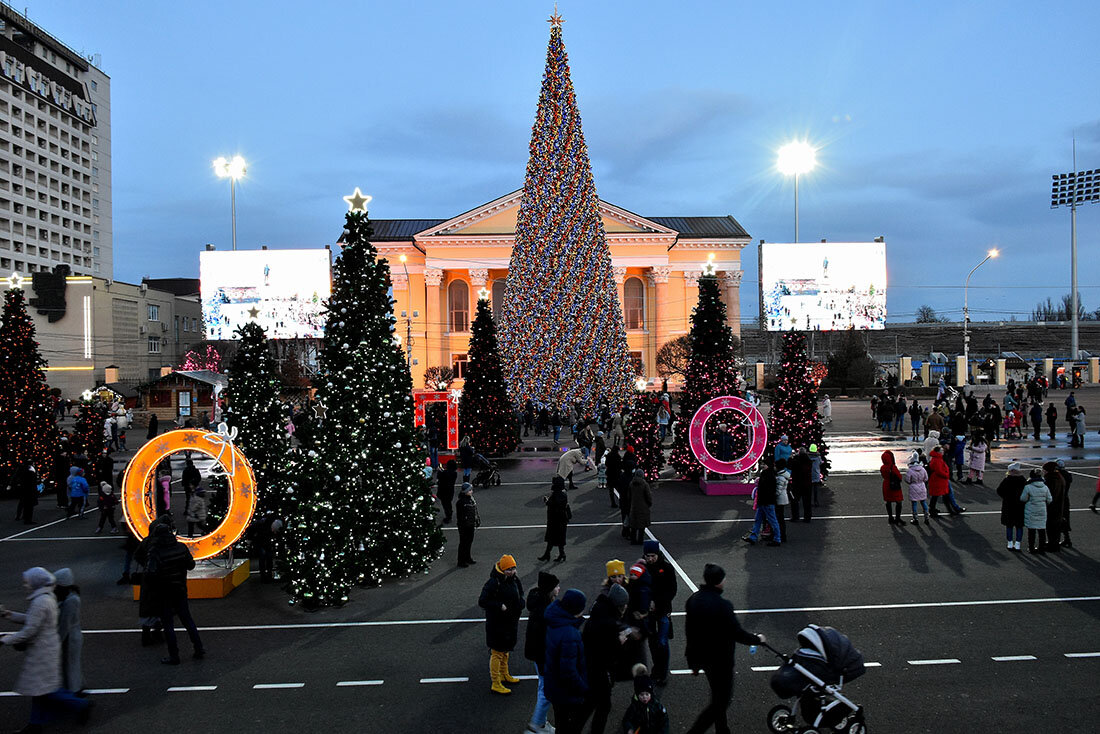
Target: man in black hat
x=712, y=633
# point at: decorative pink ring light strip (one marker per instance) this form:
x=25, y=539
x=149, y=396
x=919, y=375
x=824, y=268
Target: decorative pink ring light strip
x=755, y=421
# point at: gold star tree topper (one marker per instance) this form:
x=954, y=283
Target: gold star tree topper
x=358, y=202
x=556, y=19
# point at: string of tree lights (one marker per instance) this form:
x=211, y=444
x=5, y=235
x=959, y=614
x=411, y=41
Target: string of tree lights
x=794, y=403
x=643, y=433
x=358, y=506
x=485, y=414
x=562, y=332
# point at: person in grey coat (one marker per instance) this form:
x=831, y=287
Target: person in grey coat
x=40, y=677
x=1036, y=497
x=68, y=630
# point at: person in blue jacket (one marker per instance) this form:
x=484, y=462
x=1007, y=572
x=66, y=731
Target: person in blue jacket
x=783, y=449
x=78, y=492
x=566, y=668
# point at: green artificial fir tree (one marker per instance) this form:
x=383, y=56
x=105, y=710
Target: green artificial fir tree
x=643, y=433
x=88, y=437
x=711, y=371
x=27, y=429
x=484, y=412
x=794, y=404
x=359, y=508
x=255, y=410
x=562, y=335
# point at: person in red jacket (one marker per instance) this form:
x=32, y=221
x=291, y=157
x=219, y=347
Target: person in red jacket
x=891, y=487
x=939, y=483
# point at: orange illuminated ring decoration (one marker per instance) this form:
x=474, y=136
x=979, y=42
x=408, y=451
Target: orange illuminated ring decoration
x=136, y=504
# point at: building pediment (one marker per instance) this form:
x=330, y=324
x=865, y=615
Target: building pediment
x=497, y=219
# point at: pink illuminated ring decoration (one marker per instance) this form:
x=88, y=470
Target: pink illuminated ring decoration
x=753, y=419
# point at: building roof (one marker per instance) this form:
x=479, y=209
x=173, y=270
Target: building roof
x=207, y=377
x=400, y=230
x=703, y=227
x=175, y=286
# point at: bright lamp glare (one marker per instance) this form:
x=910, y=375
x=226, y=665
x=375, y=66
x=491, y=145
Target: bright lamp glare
x=994, y=252
x=796, y=158
x=234, y=169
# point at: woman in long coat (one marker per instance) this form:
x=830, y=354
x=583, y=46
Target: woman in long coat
x=978, y=450
x=1012, y=507
x=939, y=480
x=558, y=515
x=502, y=600
x=891, y=487
x=917, y=478
x=68, y=629
x=1036, y=496
x=40, y=677
x=641, y=500
x=1057, y=486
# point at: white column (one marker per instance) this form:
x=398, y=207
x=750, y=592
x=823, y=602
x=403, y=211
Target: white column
x=731, y=282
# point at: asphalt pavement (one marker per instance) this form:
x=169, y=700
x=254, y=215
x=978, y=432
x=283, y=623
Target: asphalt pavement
x=963, y=634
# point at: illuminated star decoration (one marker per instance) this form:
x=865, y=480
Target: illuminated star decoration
x=483, y=294
x=16, y=280
x=357, y=202
x=555, y=19
x=253, y=312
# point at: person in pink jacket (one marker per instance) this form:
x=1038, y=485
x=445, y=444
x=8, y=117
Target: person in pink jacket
x=917, y=479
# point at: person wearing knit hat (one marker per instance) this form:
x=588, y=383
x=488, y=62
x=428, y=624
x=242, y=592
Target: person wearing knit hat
x=502, y=600
x=615, y=572
x=534, y=648
x=40, y=677
x=645, y=715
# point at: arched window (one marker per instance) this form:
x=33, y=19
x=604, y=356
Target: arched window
x=458, y=305
x=499, y=286
x=634, y=303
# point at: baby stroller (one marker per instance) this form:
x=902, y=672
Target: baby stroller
x=487, y=473
x=814, y=675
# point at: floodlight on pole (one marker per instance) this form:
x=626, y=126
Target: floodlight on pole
x=966, y=309
x=232, y=168
x=794, y=159
x=1071, y=189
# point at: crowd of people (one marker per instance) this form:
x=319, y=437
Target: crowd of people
x=625, y=638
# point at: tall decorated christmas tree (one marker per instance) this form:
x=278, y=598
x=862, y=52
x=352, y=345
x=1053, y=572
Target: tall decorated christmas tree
x=643, y=433
x=485, y=413
x=360, y=508
x=88, y=437
x=562, y=334
x=27, y=429
x=794, y=405
x=711, y=370
x=255, y=410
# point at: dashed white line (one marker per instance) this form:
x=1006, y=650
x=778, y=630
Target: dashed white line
x=526, y=677
x=445, y=680
x=941, y=661
x=1013, y=658
x=9, y=694
x=190, y=689
x=104, y=691
x=269, y=686
x=872, y=665
x=764, y=668
x=350, y=683
x=1083, y=654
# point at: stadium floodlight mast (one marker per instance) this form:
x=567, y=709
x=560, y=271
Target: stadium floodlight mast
x=1071, y=189
x=794, y=159
x=232, y=169
x=966, y=311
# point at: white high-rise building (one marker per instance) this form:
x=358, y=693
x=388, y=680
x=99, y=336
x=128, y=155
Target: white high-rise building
x=55, y=155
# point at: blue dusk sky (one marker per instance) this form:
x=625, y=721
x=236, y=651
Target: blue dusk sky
x=939, y=123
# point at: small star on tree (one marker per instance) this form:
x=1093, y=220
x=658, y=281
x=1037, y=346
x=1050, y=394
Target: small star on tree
x=16, y=280
x=253, y=312
x=555, y=19
x=358, y=202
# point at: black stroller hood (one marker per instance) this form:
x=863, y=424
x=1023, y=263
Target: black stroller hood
x=826, y=654
x=841, y=656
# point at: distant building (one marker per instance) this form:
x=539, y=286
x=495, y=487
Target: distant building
x=85, y=325
x=55, y=155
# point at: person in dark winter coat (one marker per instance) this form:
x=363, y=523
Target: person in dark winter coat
x=659, y=624
x=566, y=665
x=169, y=562
x=712, y=635
x=106, y=502
x=614, y=464
x=645, y=715
x=628, y=466
x=154, y=424
x=801, y=485
x=1057, y=486
x=502, y=599
x=1064, y=508
x=641, y=500
x=766, y=496
x=445, y=489
x=534, y=647
x=603, y=636
x=24, y=482
x=467, y=521
x=1012, y=508
x=558, y=515
x=191, y=479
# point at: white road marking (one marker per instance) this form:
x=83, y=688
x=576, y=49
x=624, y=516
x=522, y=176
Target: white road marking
x=1013, y=658
x=267, y=686
x=942, y=661
x=526, y=677
x=1083, y=654
x=445, y=680
x=189, y=689
x=31, y=530
x=349, y=683
x=103, y=691
x=680, y=672
x=109, y=536
x=764, y=668
x=672, y=562
x=9, y=694
x=481, y=620
x=872, y=665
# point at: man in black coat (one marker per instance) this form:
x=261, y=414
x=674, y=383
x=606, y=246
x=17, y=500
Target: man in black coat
x=467, y=521
x=603, y=637
x=800, y=485
x=169, y=562
x=445, y=489
x=664, y=588
x=24, y=482
x=712, y=635
x=534, y=647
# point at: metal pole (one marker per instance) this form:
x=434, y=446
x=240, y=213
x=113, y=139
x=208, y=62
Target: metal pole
x=966, y=321
x=1073, y=261
x=408, y=320
x=796, y=207
x=233, y=207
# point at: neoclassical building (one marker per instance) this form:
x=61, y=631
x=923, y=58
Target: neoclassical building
x=656, y=260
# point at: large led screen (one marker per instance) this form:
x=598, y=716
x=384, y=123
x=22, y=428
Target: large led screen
x=823, y=286
x=281, y=290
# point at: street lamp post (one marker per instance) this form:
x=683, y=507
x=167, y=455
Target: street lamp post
x=966, y=313
x=1071, y=189
x=408, y=320
x=232, y=169
x=794, y=159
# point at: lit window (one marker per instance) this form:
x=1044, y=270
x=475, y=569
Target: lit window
x=634, y=303
x=458, y=299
